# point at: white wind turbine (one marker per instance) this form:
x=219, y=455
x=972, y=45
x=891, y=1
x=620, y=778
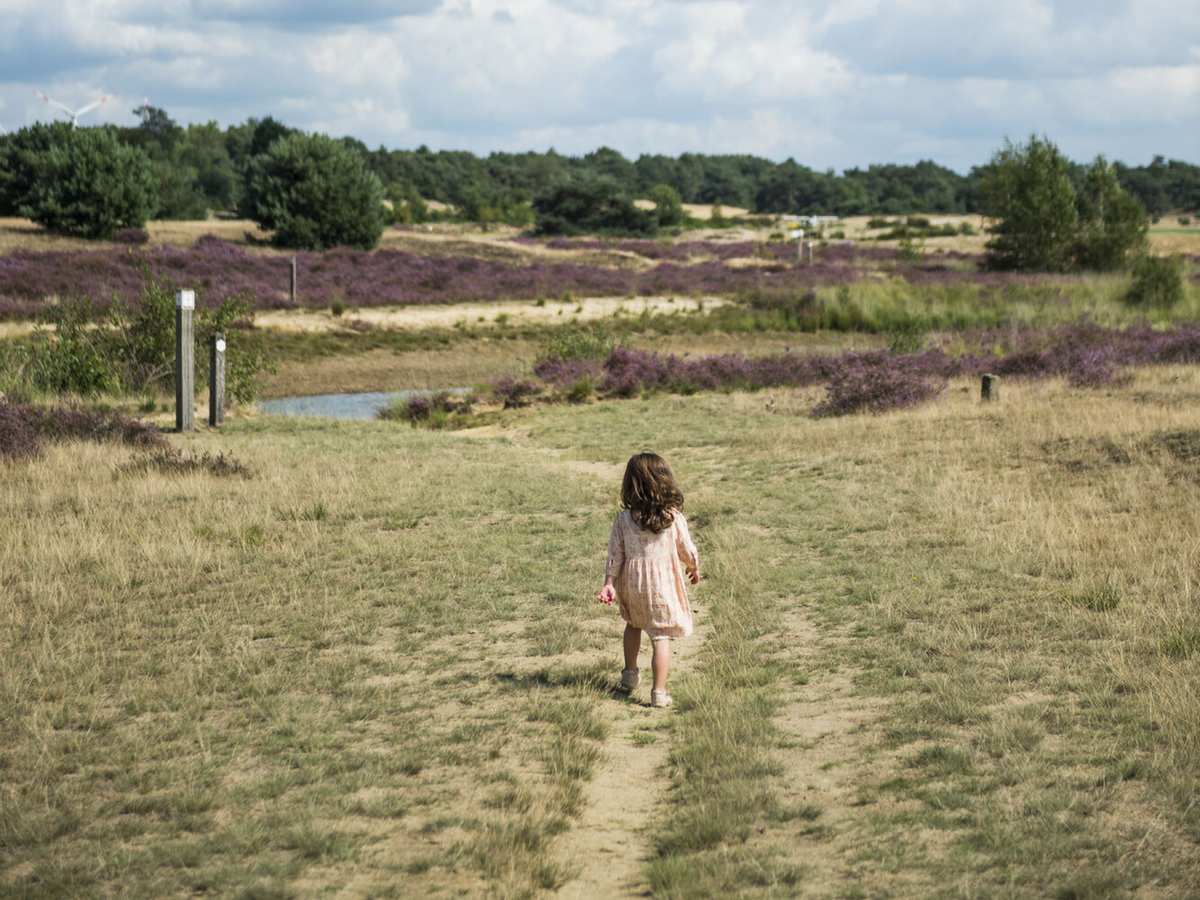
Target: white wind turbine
x=75, y=113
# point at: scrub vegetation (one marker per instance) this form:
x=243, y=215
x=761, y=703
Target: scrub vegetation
x=940, y=651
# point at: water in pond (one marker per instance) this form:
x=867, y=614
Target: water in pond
x=342, y=406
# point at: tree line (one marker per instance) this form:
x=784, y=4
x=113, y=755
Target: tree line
x=200, y=167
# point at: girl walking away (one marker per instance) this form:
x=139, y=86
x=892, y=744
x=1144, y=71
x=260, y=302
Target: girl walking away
x=648, y=552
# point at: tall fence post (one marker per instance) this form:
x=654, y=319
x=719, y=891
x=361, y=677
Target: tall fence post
x=810, y=252
x=292, y=291
x=800, y=244
x=185, y=361
x=990, y=390
x=216, y=380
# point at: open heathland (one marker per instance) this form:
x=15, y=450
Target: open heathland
x=942, y=652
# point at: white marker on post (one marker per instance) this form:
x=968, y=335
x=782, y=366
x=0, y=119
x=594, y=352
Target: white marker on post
x=185, y=361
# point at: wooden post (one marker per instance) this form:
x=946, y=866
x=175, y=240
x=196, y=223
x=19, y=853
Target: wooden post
x=293, y=282
x=216, y=380
x=185, y=361
x=800, y=244
x=810, y=253
x=990, y=390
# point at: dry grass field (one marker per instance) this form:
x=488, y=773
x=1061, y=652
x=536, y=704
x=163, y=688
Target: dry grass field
x=1166, y=236
x=951, y=652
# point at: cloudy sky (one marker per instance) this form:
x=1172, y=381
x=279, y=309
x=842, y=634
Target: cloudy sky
x=831, y=84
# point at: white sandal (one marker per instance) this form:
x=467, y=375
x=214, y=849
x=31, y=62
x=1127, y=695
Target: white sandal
x=630, y=679
x=660, y=699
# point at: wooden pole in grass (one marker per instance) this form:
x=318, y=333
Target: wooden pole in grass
x=216, y=380
x=292, y=291
x=185, y=361
x=990, y=390
x=810, y=253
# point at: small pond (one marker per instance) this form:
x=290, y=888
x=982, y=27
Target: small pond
x=342, y=406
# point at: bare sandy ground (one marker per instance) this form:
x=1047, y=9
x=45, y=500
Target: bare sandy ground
x=514, y=312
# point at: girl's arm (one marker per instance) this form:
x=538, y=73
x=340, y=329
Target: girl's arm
x=612, y=568
x=685, y=549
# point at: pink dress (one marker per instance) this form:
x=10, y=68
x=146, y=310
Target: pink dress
x=647, y=572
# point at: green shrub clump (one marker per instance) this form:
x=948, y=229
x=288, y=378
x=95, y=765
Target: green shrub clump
x=315, y=193
x=589, y=342
x=591, y=204
x=1157, y=281
x=1044, y=224
x=82, y=182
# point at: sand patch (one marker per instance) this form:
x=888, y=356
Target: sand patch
x=583, y=309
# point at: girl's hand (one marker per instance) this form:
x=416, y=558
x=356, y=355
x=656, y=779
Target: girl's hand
x=607, y=595
x=693, y=576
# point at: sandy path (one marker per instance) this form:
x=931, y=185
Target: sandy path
x=610, y=844
x=514, y=311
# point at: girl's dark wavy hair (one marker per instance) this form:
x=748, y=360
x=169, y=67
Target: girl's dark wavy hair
x=649, y=492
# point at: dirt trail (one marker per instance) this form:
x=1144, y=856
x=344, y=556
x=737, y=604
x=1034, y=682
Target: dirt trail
x=609, y=845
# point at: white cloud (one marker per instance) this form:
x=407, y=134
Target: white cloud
x=831, y=83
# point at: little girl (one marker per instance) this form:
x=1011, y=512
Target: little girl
x=649, y=541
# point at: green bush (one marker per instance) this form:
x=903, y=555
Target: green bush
x=668, y=206
x=126, y=350
x=1113, y=224
x=76, y=358
x=22, y=161
x=591, y=204
x=1157, y=281
x=91, y=185
x=315, y=193
x=589, y=342
x=1027, y=190
x=1043, y=224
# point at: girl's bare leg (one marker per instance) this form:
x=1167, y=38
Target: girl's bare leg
x=633, y=643
x=660, y=662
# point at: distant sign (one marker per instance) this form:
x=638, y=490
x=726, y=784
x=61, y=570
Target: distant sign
x=185, y=299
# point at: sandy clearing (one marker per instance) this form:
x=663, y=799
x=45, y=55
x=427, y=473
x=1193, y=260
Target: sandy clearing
x=517, y=312
x=699, y=210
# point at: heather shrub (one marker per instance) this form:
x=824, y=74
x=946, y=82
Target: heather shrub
x=438, y=410
x=26, y=428
x=1157, y=281
x=867, y=382
x=1094, y=368
x=515, y=392
x=315, y=193
x=173, y=461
